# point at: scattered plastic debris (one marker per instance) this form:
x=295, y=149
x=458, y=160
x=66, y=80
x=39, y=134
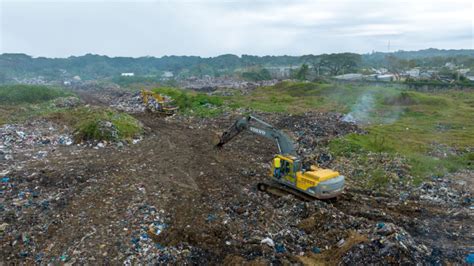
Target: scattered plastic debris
x=268, y=241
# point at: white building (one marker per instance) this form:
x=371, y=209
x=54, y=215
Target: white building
x=450, y=65
x=414, y=72
x=167, y=74
x=350, y=76
x=129, y=74
x=386, y=77
x=464, y=71
x=381, y=70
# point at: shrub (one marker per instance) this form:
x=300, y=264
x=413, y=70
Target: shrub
x=101, y=124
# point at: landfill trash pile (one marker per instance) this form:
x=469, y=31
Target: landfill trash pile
x=113, y=96
x=32, y=140
x=172, y=198
x=314, y=130
x=105, y=129
x=453, y=189
x=102, y=94
x=388, y=243
x=213, y=83
x=130, y=102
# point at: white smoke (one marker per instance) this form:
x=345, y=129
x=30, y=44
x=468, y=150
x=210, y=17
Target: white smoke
x=360, y=112
x=363, y=111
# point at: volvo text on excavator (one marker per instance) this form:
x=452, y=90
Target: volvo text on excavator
x=287, y=170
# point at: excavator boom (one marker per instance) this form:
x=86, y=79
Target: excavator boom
x=261, y=128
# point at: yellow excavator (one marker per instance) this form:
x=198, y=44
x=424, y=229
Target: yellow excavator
x=287, y=170
x=156, y=102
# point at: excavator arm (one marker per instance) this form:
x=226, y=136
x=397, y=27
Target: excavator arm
x=261, y=128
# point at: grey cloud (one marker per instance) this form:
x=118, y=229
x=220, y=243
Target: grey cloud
x=209, y=28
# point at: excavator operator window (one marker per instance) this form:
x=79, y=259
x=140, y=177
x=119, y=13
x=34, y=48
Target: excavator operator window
x=296, y=166
x=285, y=167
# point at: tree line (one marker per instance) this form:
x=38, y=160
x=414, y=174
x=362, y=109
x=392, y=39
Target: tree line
x=251, y=67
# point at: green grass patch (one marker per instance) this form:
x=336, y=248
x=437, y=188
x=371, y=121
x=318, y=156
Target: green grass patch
x=100, y=124
x=377, y=178
x=19, y=103
x=27, y=94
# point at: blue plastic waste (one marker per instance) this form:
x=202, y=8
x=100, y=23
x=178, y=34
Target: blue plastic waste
x=280, y=248
x=64, y=258
x=144, y=236
x=211, y=217
x=39, y=257
x=470, y=258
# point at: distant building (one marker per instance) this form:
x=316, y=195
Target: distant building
x=76, y=78
x=426, y=75
x=414, y=72
x=450, y=65
x=130, y=74
x=386, y=77
x=381, y=70
x=350, y=76
x=464, y=71
x=371, y=77
x=167, y=74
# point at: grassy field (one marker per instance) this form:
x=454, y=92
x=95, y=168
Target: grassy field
x=19, y=94
x=21, y=102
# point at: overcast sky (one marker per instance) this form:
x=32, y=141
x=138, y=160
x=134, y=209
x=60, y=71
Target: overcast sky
x=210, y=28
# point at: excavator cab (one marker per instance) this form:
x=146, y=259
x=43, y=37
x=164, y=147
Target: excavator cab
x=283, y=169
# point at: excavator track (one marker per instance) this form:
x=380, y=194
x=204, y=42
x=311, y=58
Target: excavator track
x=279, y=190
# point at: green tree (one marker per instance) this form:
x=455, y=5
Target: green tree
x=340, y=63
x=302, y=72
x=257, y=75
